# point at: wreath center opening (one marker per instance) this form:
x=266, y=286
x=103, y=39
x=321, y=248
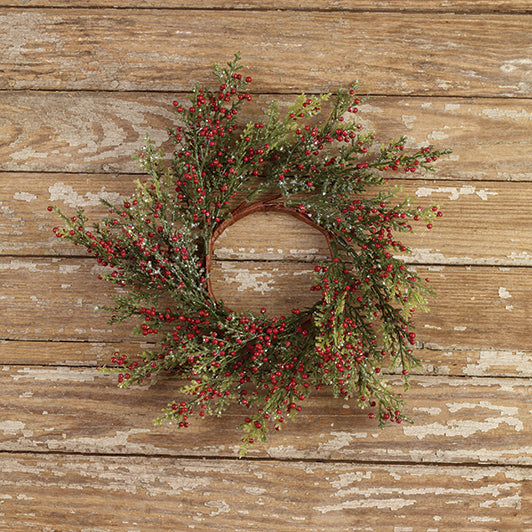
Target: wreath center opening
x=263, y=258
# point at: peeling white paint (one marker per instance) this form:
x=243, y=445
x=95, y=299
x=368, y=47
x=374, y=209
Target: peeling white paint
x=17, y=264
x=346, y=479
x=426, y=254
x=254, y=490
x=303, y=254
x=514, y=114
x=523, y=255
x=11, y=427
x=247, y=280
x=433, y=411
x=483, y=519
x=504, y=410
x=389, y=504
x=408, y=120
x=339, y=440
x=67, y=195
x=489, y=359
x=24, y=497
x=24, y=196
x=221, y=507
x=513, y=501
x=503, y=293
x=438, y=135
x=56, y=374
x=69, y=268
x=452, y=106
x=454, y=193
x=461, y=427
x=373, y=108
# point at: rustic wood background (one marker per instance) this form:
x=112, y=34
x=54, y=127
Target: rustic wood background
x=81, y=82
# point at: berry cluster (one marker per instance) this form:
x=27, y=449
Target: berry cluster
x=319, y=166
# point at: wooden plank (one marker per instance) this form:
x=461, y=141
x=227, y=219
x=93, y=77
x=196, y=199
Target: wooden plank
x=287, y=51
x=143, y=493
x=457, y=420
x=470, y=211
x=479, y=363
x=476, y=308
x=469, y=6
x=92, y=354
x=99, y=132
x=56, y=298
x=488, y=301
x=76, y=132
x=26, y=225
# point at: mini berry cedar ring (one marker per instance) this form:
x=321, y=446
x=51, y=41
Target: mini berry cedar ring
x=269, y=205
x=158, y=245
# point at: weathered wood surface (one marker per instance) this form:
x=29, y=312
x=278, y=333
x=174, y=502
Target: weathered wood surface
x=53, y=298
x=474, y=420
x=400, y=53
x=473, y=6
x=76, y=452
x=474, y=307
x=99, y=132
x=25, y=223
x=140, y=493
x=476, y=227
x=452, y=362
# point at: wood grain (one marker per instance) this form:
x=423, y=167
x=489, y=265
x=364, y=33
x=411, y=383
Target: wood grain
x=476, y=227
x=81, y=83
x=469, y=6
x=25, y=223
x=139, y=493
x=400, y=53
x=457, y=420
x=457, y=362
x=86, y=354
x=99, y=132
x=55, y=299
x=476, y=308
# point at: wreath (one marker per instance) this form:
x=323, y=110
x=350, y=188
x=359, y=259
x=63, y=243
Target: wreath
x=317, y=166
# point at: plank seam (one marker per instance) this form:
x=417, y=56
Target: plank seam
x=384, y=10
x=415, y=264
x=524, y=378
x=270, y=93
x=227, y=458
x=391, y=178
